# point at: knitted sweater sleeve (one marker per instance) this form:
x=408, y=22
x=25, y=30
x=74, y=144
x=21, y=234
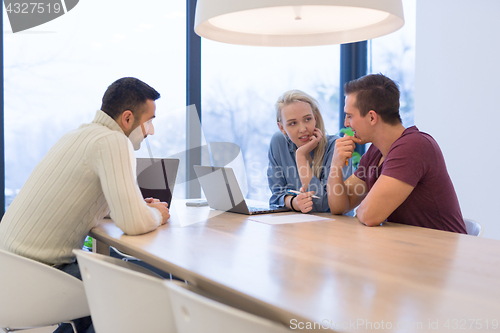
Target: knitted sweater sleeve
x=114, y=163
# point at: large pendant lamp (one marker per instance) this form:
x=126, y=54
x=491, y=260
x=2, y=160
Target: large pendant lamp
x=296, y=22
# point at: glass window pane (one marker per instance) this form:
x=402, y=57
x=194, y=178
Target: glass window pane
x=394, y=56
x=56, y=74
x=240, y=85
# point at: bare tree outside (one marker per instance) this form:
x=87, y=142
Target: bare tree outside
x=249, y=121
x=55, y=76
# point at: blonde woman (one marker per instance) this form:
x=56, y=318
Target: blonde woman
x=300, y=155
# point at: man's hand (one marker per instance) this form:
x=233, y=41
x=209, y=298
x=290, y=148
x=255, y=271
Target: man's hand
x=151, y=200
x=304, y=201
x=314, y=139
x=344, y=147
x=162, y=207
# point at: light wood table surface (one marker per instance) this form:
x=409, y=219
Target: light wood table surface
x=337, y=272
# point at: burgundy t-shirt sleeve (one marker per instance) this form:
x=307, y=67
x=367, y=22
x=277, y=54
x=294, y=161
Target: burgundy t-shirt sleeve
x=406, y=160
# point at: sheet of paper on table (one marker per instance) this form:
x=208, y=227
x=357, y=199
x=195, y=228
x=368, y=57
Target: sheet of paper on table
x=279, y=218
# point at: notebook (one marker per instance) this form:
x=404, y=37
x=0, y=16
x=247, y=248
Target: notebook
x=156, y=177
x=223, y=192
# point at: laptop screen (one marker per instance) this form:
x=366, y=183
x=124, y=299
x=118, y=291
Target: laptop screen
x=220, y=187
x=156, y=177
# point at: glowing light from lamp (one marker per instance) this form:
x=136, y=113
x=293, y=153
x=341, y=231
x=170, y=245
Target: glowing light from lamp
x=299, y=23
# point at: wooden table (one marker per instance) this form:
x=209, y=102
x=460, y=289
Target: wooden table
x=336, y=273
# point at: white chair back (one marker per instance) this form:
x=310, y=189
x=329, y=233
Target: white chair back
x=33, y=294
x=195, y=313
x=122, y=298
x=473, y=228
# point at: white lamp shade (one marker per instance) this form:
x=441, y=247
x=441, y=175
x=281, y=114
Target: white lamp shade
x=296, y=22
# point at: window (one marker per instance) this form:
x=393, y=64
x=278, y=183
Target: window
x=56, y=74
x=394, y=56
x=240, y=85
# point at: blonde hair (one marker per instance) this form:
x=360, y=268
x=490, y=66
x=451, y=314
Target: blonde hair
x=293, y=96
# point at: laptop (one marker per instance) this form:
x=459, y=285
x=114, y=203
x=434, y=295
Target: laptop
x=223, y=192
x=156, y=177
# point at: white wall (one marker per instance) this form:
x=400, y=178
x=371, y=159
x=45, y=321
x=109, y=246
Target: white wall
x=457, y=98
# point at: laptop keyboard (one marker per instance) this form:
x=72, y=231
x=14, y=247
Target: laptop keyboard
x=257, y=209
x=261, y=209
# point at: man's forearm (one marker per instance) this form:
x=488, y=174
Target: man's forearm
x=338, y=199
x=368, y=216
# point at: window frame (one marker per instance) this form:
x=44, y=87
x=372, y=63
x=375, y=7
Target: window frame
x=353, y=65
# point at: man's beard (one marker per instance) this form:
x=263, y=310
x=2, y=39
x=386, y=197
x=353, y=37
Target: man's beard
x=136, y=137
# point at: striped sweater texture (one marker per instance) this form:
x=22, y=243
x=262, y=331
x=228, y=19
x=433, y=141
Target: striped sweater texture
x=87, y=174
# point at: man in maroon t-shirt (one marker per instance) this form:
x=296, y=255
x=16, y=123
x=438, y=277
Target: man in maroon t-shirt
x=402, y=177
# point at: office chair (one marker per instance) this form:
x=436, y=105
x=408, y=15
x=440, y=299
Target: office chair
x=124, y=297
x=33, y=294
x=195, y=313
x=473, y=228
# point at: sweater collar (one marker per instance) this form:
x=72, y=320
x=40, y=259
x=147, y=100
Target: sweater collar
x=104, y=119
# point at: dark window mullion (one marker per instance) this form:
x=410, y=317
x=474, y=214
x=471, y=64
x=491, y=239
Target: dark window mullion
x=353, y=65
x=193, y=96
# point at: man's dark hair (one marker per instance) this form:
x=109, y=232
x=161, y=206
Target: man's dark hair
x=378, y=93
x=127, y=93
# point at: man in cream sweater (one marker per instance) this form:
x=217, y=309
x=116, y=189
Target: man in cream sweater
x=87, y=174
